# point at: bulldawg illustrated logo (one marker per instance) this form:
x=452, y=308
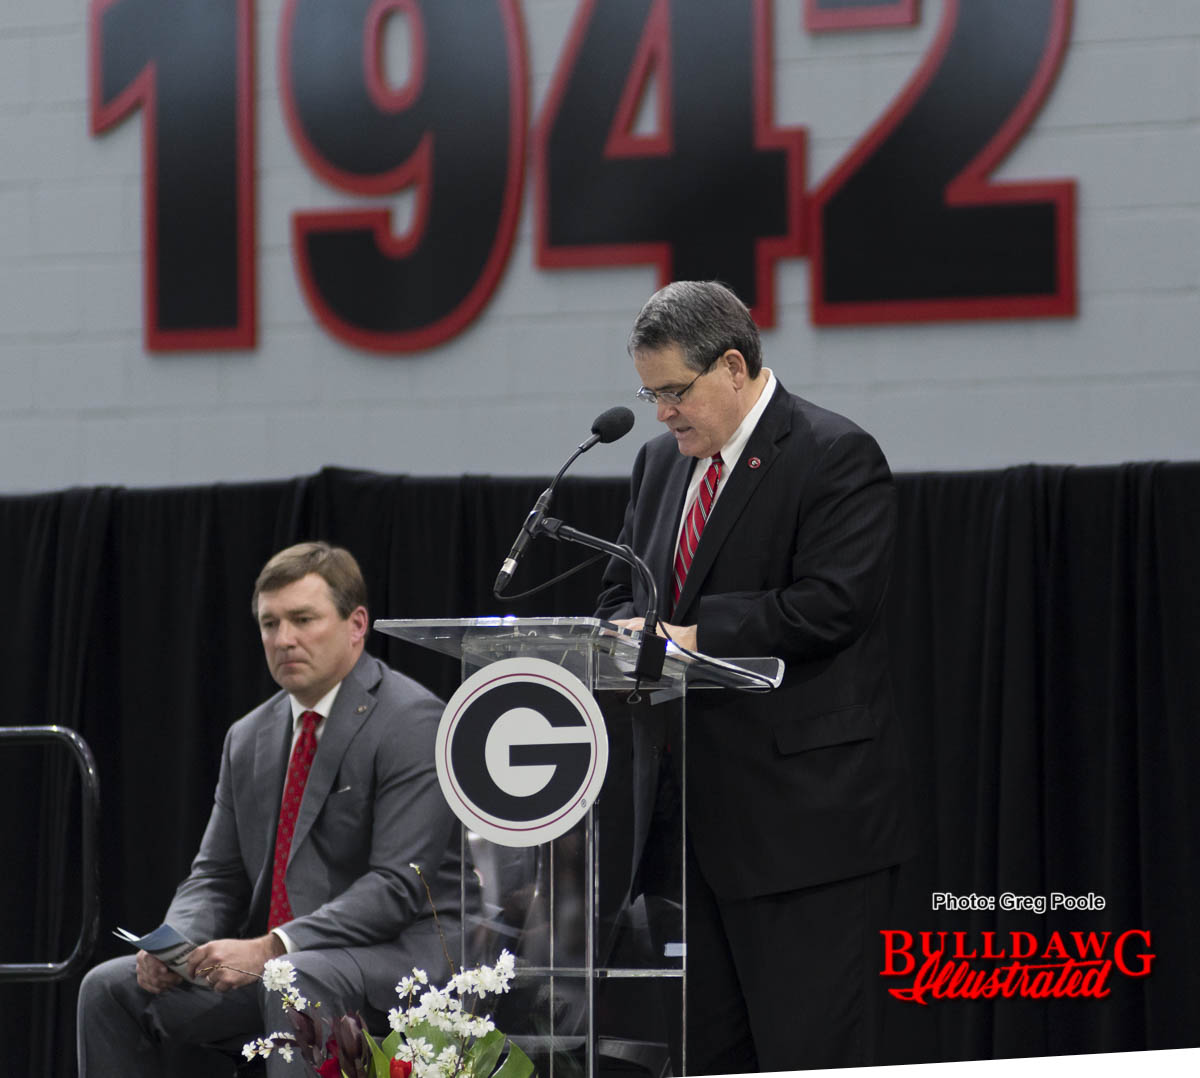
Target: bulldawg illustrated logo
x=1062, y=965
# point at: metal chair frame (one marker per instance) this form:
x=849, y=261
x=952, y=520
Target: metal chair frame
x=89, y=874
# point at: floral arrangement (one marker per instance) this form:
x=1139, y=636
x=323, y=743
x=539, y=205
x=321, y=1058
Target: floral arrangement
x=435, y=1032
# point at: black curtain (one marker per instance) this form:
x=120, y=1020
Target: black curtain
x=1045, y=632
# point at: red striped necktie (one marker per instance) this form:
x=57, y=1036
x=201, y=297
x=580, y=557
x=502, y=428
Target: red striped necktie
x=293, y=793
x=693, y=526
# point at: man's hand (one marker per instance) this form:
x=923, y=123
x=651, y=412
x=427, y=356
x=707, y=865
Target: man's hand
x=227, y=964
x=683, y=635
x=154, y=975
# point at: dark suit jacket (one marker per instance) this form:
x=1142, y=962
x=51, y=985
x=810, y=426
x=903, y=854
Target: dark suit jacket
x=806, y=784
x=371, y=806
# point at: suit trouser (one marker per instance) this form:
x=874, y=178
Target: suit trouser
x=786, y=981
x=127, y=1032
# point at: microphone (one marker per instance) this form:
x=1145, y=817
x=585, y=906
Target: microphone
x=527, y=532
x=611, y=425
x=607, y=427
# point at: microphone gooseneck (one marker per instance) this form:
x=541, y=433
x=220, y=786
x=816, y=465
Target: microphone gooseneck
x=607, y=427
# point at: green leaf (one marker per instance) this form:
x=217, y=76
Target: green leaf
x=438, y=1038
x=381, y=1062
x=390, y=1043
x=481, y=1059
x=517, y=1065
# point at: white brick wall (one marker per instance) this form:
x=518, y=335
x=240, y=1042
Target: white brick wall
x=81, y=401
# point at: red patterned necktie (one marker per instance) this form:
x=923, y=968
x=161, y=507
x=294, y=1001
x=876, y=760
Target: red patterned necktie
x=697, y=517
x=293, y=792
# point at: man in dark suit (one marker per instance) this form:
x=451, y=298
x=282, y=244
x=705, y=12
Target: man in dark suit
x=346, y=748
x=768, y=524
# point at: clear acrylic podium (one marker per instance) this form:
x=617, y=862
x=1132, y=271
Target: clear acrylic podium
x=595, y=971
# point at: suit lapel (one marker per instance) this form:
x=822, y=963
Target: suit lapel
x=272, y=749
x=350, y=710
x=740, y=485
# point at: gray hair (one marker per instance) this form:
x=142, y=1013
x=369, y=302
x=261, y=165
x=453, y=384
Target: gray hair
x=704, y=318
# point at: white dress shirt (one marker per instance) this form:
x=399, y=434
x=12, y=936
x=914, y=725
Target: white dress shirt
x=731, y=452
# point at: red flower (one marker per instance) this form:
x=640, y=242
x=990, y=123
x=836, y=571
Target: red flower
x=400, y=1068
x=330, y=1068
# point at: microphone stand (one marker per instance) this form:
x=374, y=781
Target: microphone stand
x=533, y=522
x=652, y=651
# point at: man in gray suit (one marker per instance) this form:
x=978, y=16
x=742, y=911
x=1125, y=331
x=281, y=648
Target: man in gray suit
x=347, y=749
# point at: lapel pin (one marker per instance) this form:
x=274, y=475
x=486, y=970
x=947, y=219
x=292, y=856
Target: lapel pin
x=360, y=709
x=754, y=462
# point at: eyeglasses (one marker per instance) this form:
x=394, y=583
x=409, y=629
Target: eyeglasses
x=673, y=396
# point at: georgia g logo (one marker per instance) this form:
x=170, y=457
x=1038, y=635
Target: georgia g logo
x=521, y=751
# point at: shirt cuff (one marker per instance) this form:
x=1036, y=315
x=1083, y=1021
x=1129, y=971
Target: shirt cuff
x=288, y=947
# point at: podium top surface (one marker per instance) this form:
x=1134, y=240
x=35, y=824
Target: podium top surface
x=572, y=642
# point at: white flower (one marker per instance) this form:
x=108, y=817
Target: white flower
x=487, y=980
x=442, y=1021
x=436, y=999
x=293, y=1000
x=443, y=1009
x=463, y=1026
x=286, y=1051
x=481, y=1026
x=497, y=977
x=278, y=974
x=263, y=1046
x=418, y=1050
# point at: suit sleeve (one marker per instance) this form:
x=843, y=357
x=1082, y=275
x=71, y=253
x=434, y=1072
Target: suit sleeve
x=411, y=824
x=212, y=902
x=616, y=595
x=840, y=564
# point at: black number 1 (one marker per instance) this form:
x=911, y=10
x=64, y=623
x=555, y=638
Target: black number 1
x=188, y=65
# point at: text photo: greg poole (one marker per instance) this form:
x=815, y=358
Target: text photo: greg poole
x=1008, y=901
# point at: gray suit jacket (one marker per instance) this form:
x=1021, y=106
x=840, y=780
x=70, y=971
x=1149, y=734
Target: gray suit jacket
x=371, y=806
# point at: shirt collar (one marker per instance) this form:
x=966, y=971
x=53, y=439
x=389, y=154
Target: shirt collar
x=732, y=449
x=322, y=706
